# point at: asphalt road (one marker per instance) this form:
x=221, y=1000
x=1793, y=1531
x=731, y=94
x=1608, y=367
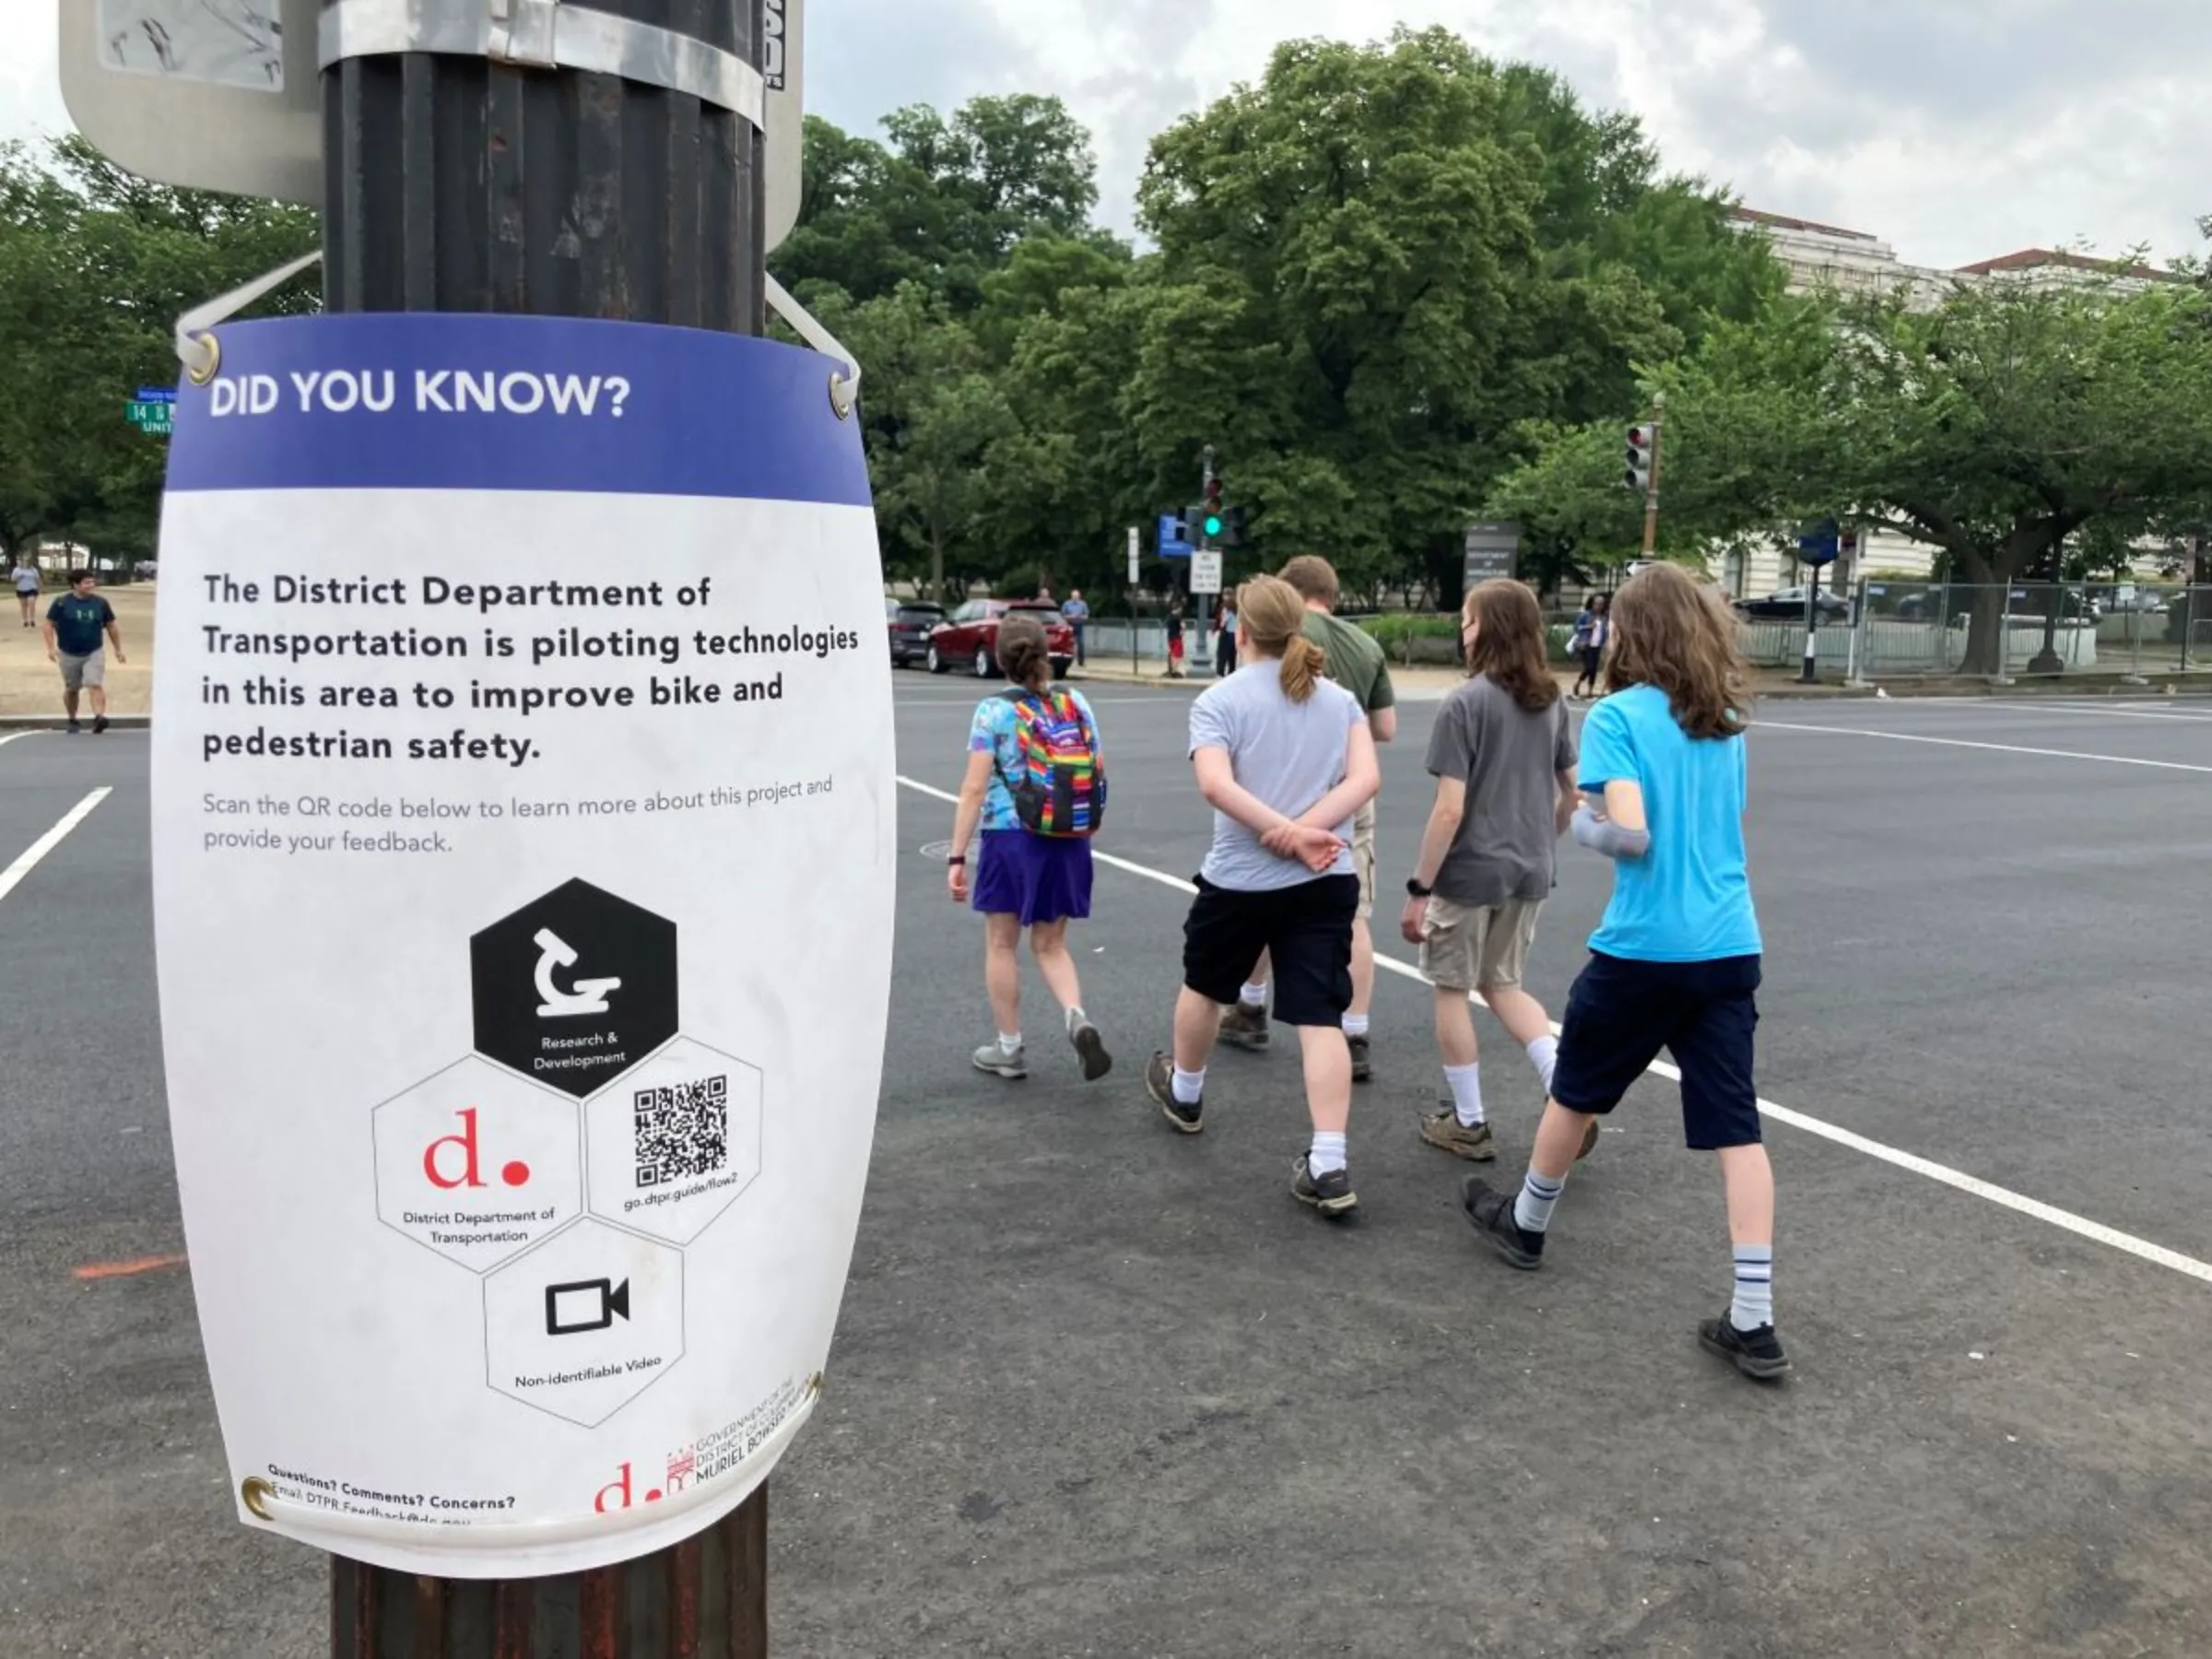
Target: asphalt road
x=1103, y=1390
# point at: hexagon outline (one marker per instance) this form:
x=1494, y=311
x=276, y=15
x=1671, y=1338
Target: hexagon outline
x=683, y=1329
x=735, y=1193
x=376, y=1174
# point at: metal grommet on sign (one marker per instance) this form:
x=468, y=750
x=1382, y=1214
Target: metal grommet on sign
x=256, y=1493
x=199, y=373
x=840, y=396
x=814, y=1384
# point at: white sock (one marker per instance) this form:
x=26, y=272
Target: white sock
x=1187, y=1086
x=1466, y=1083
x=1754, y=1303
x=1544, y=1054
x=1075, y=1018
x=1327, y=1153
x=1010, y=1046
x=1253, y=996
x=1355, y=1025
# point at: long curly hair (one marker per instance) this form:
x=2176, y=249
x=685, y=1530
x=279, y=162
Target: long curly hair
x=1669, y=632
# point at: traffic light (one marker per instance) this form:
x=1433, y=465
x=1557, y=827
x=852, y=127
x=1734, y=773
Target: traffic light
x=1232, y=526
x=1213, y=521
x=1644, y=444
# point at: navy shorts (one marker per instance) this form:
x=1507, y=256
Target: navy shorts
x=1620, y=1014
x=1306, y=929
x=1032, y=877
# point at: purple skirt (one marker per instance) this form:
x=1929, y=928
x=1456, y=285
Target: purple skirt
x=1035, y=877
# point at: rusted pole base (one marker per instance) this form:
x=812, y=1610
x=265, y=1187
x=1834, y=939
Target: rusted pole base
x=705, y=1598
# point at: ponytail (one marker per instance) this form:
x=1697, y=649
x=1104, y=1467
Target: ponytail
x=1272, y=616
x=1303, y=663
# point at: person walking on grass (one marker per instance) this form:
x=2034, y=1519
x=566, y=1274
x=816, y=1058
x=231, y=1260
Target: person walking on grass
x=77, y=624
x=1286, y=761
x=1586, y=644
x=1355, y=662
x=1036, y=784
x=1675, y=962
x=1502, y=754
x=27, y=581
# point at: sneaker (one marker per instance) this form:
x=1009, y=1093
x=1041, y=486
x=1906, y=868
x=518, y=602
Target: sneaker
x=1159, y=1083
x=1361, y=1070
x=1089, y=1044
x=1758, y=1353
x=1490, y=1213
x=993, y=1059
x=1443, y=1130
x=74, y=728
x=100, y=724
x=1331, y=1193
x=1245, y=1026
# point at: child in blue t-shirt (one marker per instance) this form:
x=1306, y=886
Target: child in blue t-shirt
x=1674, y=964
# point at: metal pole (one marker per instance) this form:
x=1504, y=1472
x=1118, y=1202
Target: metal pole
x=460, y=184
x=1809, y=672
x=1196, y=659
x=1650, y=493
x=1855, y=673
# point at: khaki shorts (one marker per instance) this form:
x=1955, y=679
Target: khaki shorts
x=1363, y=857
x=79, y=672
x=1466, y=947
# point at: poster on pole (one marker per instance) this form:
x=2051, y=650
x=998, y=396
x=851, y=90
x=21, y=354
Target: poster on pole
x=1206, y=570
x=523, y=810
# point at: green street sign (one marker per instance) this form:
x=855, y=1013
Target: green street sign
x=150, y=418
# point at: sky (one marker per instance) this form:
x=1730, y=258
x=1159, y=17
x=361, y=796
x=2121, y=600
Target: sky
x=1956, y=130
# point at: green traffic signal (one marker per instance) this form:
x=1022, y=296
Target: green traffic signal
x=1212, y=524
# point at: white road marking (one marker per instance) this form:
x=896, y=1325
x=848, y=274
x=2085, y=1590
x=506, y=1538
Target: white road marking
x=50, y=840
x=2122, y=711
x=2005, y=1197
x=2004, y=748
x=12, y=737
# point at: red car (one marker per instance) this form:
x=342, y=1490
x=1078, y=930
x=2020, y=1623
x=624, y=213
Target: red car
x=969, y=637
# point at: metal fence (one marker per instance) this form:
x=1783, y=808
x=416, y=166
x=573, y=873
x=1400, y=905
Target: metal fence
x=1905, y=629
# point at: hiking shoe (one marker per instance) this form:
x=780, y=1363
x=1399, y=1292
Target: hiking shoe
x=1443, y=1130
x=1757, y=1353
x=999, y=1064
x=1245, y=1026
x=1091, y=1047
x=1490, y=1213
x=1589, y=1141
x=1159, y=1083
x=100, y=724
x=1331, y=1193
x=1361, y=1069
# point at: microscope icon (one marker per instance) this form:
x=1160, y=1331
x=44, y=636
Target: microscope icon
x=588, y=997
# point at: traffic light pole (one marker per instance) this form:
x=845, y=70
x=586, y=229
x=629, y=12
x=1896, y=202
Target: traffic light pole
x=1650, y=496
x=1200, y=661
x=642, y=204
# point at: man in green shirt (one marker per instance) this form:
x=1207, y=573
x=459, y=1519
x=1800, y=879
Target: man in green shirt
x=1355, y=662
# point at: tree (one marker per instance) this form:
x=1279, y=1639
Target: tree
x=95, y=267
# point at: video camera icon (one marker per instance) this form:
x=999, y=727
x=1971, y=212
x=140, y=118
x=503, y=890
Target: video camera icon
x=584, y=1305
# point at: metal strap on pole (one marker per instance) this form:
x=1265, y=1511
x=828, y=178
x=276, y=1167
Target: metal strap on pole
x=545, y=34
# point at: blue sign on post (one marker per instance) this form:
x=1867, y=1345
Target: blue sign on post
x=1821, y=546
x=167, y=395
x=1171, y=546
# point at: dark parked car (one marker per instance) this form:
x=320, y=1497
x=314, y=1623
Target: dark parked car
x=969, y=639
x=1788, y=605
x=2022, y=602
x=910, y=621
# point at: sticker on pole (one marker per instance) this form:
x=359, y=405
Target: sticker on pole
x=522, y=809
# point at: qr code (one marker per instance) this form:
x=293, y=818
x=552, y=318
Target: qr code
x=683, y=1130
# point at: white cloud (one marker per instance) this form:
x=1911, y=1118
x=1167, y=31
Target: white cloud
x=1955, y=129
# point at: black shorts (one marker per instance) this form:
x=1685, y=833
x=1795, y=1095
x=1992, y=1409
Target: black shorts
x=1620, y=1014
x=1306, y=929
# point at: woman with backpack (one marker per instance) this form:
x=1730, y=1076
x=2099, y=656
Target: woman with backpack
x=1037, y=785
x=1593, y=630
x=1285, y=758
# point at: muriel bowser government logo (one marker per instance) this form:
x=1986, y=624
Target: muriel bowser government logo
x=574, y=988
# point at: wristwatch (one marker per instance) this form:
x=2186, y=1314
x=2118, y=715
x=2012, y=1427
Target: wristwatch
x=958, y=858
x=1414, y=886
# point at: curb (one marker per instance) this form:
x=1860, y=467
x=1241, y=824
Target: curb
x=55, y=722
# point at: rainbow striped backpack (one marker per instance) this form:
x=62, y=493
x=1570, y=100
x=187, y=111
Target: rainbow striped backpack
x=1059, y=782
